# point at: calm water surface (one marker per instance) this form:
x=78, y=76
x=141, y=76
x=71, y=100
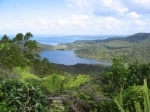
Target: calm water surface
x=54, y=40
x=68, y=58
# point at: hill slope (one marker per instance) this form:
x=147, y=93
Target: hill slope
x=138, y=37
x=134, y=47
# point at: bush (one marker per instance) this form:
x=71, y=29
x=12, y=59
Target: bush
x=18, y=96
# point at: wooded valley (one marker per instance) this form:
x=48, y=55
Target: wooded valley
x=29, y=83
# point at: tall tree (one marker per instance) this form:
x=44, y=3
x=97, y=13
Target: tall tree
x=27, y=36
x=5, y=39
x=28, y=47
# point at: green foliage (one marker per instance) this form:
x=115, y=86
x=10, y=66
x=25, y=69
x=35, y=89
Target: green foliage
x=44, y=46
x=88, y=99
x=10, y=56
x=146, y=97
x=137, y=106
x=56, y=83
x=53, y=83
x=24, y=75
x=116, y=77
x=57, y=106
x=137, y=73
x=108, y=106
x=20, y=51
x=5, y=39
x=32, y=76
x=29, y=78
x=17, y=96
x=76, y=82
x=123, y=76
x=130, y=96
x=43, y=67
x=88, y=69
x=132, y=48
x=128, y=77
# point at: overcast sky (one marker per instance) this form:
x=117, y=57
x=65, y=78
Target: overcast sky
x=75, y=17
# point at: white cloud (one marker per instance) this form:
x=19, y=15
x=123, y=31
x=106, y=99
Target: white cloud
x=79, y=3
x=133, y=15
x=44, y=22
x=139, y=23
x=113, y=15
x=140, y=6
x=100, y=7
x=62, y=22
x=69, y=5
x=108, y=26
x=83, y=24
x=113, y=7
x=143, y=3
x=80, y=20
x=82, y=16
x=6, y=27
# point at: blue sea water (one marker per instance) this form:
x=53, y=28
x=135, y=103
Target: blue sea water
x=67, y=57
x=54, y=40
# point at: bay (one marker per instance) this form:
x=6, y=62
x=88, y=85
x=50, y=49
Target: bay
x=54, y=40
x=68, y=58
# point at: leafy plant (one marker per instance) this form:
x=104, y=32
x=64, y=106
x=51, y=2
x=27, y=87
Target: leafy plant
x=137, y=106
x=17, y=96
x=24, y=75
x=56, y=83
x=57, y=106
x=53, y=83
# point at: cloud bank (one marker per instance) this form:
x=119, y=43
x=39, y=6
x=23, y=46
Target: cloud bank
x=80, y=17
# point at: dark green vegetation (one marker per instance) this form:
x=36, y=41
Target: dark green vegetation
x=144, y=107
x=132, y=48
x=87, y=69
x=125, y=79
x=45, y=47
x=31, y=84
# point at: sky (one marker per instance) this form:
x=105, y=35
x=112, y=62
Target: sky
x=74, y=17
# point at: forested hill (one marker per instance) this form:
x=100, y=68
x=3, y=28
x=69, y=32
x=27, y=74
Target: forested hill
x=138, y=37
x=132, y=48
x=131, y=38
x=135, y=38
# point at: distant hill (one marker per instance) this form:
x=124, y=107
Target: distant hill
x=44, y=46
x=132, y=38
x=137, y=37
x=135, y=47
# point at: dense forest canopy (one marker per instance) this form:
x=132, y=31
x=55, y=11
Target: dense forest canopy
x=31, y=84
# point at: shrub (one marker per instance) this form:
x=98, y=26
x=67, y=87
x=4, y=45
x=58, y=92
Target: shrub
x=18, y=96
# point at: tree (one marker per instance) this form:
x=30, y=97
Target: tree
x=5, y=39
x=10, y=56
x=137, y=73
x=115, y=78
x=123, y=75
x=136, y=104
x=27, y=36
x=28, y=47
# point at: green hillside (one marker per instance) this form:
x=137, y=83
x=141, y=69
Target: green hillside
x=132, y=48
x=138, y=37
